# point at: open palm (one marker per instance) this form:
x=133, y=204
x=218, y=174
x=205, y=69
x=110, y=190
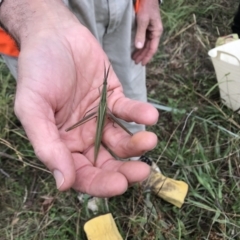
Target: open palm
x=60, y=72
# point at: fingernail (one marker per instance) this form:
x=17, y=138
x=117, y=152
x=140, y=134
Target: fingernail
x=58, y=178
x=139, y=45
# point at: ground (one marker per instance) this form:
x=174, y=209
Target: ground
x=198, y=144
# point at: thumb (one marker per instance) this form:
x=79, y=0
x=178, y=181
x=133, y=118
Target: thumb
x=57, y=158
x=142, y=25
x=49, y=148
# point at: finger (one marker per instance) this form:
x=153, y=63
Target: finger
x=153, y=35
x=146, y=54
x=151, y=47
x=134, y=171
x=124, y=145
x=137, y=55
x=140, y=55
x=135, y=111
x=44, y=136
x=111, y=178
x=142, y=24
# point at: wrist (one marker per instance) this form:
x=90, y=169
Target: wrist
x=24, y=18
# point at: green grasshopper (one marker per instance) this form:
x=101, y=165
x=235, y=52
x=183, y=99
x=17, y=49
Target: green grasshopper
x=101, y=114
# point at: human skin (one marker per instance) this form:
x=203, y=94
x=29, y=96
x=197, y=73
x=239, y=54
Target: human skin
x=149, y=31
x=59, y=73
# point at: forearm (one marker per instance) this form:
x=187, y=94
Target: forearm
x=21, y=17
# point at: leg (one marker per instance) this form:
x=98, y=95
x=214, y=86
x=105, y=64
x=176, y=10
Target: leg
x=118, y=43
x=113, y=24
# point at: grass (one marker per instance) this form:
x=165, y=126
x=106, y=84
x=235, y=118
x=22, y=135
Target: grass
x=198, y=144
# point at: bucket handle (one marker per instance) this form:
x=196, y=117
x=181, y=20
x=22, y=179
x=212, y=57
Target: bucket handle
x=219, y=52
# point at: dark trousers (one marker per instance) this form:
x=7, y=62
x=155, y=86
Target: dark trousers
x=236, y=22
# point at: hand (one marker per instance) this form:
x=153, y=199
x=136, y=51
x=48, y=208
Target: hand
x=149, y=31
x=61, y=67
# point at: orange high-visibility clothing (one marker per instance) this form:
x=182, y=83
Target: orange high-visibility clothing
x=7, y=44
x=136, y=5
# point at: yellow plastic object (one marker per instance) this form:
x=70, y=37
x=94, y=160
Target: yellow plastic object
x=170, y=190
x=102, y=227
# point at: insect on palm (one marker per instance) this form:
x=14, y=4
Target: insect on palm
x=101, y=114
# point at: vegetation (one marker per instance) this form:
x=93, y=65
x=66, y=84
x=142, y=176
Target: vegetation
x=198, y=143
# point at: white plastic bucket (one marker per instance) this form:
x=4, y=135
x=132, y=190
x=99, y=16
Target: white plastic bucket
x=226, y=62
